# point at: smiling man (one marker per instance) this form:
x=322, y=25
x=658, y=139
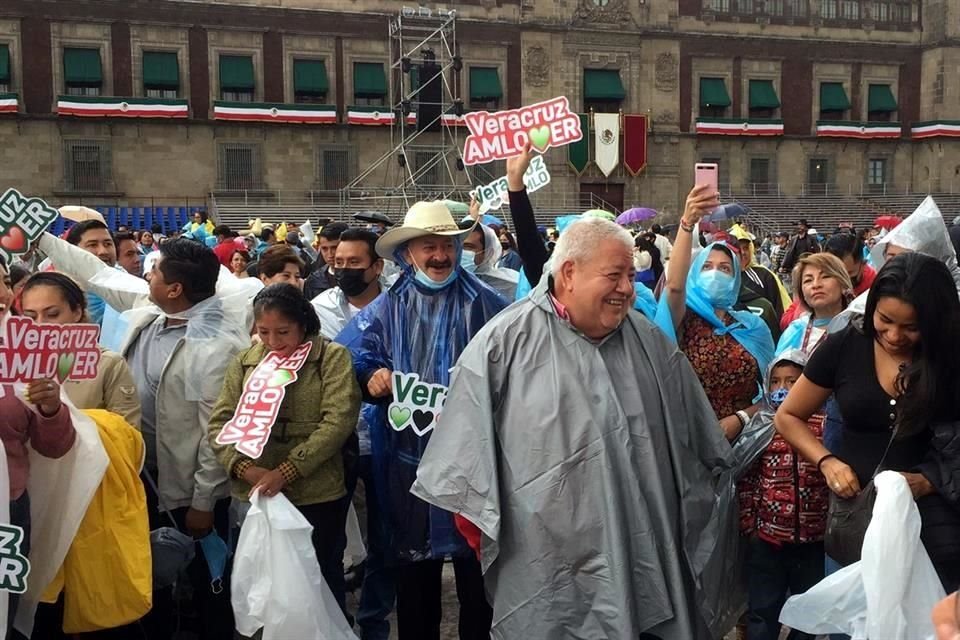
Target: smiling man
x=415, y=332
x=582, y=455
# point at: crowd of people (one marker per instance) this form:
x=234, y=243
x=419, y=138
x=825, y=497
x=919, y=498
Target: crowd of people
x=606, y=434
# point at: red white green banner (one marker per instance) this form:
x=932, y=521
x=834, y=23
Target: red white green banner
x=280, y=113
x=936, y=129
x=860, y=130
x=99, y=107
x=9, y=103
x=453, y=120
x=739, y=127
x=375, y=116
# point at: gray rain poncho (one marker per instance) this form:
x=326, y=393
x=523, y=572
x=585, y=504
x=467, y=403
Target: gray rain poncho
x=598, y=476
x=503, y=281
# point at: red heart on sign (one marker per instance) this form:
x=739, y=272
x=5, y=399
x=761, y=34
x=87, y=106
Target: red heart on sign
x=14, y=240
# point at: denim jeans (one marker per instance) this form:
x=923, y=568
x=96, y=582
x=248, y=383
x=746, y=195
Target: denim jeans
x=773, y=573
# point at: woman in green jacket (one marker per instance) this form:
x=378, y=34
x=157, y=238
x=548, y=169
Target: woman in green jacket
x=302, y=454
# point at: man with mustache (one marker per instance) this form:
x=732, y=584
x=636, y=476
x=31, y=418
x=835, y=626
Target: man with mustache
x=404, y=345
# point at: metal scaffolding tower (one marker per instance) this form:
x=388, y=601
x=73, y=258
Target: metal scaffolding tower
x=424, y=162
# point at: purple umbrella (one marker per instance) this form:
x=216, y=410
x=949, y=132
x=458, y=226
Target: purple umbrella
x=636, y=214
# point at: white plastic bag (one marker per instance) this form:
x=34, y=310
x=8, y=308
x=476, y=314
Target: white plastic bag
x=276, y=580
x=889, y=594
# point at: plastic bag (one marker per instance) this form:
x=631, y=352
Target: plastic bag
x=276, y=583
x=889, y=594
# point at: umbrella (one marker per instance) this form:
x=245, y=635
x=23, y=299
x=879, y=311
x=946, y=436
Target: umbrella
x=887, y=222
x=374, y=217
x=487, y=220
x=599, y=213
x=80, y=214
x=457, y=208
x=636, y=214
x=727, y=212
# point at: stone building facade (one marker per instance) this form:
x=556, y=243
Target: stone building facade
x=701, y=70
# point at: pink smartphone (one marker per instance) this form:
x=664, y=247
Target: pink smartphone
x=707, y=173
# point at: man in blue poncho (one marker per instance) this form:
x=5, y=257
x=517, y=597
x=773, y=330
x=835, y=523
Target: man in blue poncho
x=404, y=345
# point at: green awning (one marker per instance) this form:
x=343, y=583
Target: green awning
x=833, y=97
x=310, y=77
x=880, y=98
x=4, y=64
x=82, y=66
x=369, y=80
x=713, y=93
x=603, y=84
x=236, y=73
x=161, y=70
x=763, y=95
x=485, y=84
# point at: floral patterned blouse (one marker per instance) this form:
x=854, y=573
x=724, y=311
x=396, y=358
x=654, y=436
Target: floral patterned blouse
x=727, y=371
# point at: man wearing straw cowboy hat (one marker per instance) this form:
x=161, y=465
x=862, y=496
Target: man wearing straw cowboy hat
x=404, y=344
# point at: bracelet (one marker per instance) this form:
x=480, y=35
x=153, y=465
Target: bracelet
x=685, y=227
x=822, y=460
x=744, y=418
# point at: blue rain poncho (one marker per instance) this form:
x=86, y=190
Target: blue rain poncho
x=413, y=329
x=747, y=329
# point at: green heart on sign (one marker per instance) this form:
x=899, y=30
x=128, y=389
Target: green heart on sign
x=280, y=378
x=65, y=365
x=399, y=417
x=540, y=137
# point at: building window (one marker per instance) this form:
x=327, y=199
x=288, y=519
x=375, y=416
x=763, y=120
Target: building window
x=334, y=169
x=828, y=9
x=881, y=104
x=744, y=7
x=834, y=103
x=876, y=174
x=161, y=74
x=603, y=90
x=714, y=99
x=938, y=85
x=86, y=165
x=310, y=84
x=239, y=166
x=237, y=81
x=4, y=68
x=485, y=89
x=720, y=6
x=796, y=8
x=763, y=100
x=369, y=84
x=82, y=74
x=773, y=8
x=850, y=9
x=759, y=175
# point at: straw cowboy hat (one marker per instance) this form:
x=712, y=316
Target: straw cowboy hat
x=422, y=219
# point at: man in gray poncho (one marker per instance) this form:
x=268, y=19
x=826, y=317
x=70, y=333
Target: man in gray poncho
x=577, y=445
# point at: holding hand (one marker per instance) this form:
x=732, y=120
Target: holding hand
x=517, y=166
x=45, y=394
x=700, y=202
x=919, y=485
x=840, y=478
x=270, y=484
x=380, y=383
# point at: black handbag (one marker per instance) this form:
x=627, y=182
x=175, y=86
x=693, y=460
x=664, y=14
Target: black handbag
x=848, y=519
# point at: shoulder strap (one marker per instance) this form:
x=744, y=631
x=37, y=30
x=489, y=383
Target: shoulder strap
x=153, y=486
x=883, y=458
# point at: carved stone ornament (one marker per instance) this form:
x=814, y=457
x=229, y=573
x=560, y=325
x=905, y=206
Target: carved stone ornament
x=537, y=67
x=603, y=12
x=665, y=72
x=665, y=117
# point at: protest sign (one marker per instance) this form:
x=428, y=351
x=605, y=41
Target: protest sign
x=415, y=404
x=14, y=566
x=502, y=135
x=48, y=351
x=22, y=221
x=249, y=428
x=494, y=195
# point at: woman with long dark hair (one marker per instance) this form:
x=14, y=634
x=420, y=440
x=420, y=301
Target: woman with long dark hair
x=896, y=380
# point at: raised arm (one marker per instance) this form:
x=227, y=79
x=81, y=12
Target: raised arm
x=699, y=203
x=529, y=244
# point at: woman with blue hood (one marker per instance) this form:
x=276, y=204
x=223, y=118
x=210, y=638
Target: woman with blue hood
x=729, y=348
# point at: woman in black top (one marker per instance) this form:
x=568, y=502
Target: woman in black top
x=894, y=378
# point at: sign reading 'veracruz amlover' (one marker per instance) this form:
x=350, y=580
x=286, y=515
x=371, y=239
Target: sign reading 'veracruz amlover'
x=61, y=352
x=502, y=135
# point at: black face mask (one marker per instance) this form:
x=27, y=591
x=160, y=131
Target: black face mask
x=351, y=281
x=505, y=246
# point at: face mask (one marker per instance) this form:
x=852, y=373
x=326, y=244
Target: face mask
x=777, y=397
x=429, y=282
x=505, y=246
x=468, y=260
x=351, y=281
x=642, y=260
x=716, y=285
x=215, y=552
